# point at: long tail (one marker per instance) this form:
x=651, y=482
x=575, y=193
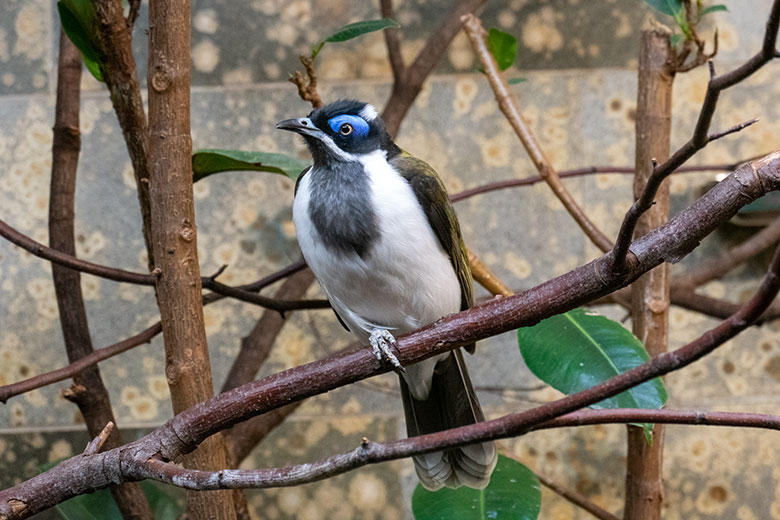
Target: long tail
x=451, y=403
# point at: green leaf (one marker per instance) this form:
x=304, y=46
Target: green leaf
x=207, y=162
x=515, y=81
x=674, y=39
x=77, y=17
x=576, y=350
x=503, y=47
x=356, y=29
x=769, y=203
x=712, y=9
x=353, y=30
x=513, y=494
x=669, y=7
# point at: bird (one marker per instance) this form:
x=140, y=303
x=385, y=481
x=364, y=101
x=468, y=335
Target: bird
x=376, y=227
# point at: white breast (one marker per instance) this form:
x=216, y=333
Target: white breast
x=405, y=282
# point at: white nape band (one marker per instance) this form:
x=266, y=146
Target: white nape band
x=368, y=113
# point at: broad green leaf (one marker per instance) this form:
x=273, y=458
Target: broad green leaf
x=356, y=29
x=503, y=47
x=513, y=494
x=77, y=17
x=515, y=81
x=207, y=162
x=712, y=9
x=576, y=350
x=669, y=7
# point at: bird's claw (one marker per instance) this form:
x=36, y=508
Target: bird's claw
x=381, y=341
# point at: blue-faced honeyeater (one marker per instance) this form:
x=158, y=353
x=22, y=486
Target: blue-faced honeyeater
x=376, y=226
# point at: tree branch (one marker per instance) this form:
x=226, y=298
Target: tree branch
x=644, y=489
x=510, y=108
x=54, y=376
x=671, y=242
x=407, y=86
x=243, y=293
x=368, y=452
x=393, y=43
x=118, y=67
x=93, y=400
x=717, y=267
x=255, y=348
x=174, y=238
x=700, y=136
x=576, y=499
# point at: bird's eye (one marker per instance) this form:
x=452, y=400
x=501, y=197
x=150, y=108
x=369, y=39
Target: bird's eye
x=345, y=129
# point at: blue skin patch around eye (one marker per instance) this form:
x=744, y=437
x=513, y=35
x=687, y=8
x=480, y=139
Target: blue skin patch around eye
x=359, y=125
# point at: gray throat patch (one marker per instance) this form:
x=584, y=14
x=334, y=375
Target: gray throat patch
x=340, y=208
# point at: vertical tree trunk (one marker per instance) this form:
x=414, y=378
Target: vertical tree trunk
x=88, y=390
x=174, y=238
x=118, y=67
x=650, y=293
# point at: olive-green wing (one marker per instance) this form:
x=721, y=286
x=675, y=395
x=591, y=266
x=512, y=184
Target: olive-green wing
x=436, y=204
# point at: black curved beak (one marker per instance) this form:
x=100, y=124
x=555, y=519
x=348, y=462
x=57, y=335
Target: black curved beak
x=299, y=125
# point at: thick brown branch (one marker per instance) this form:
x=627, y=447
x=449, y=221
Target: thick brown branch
x=510, y=108
x=118, y=67
x=174, y=238
x=650, y=293
x=93, y=402
x=671, y=242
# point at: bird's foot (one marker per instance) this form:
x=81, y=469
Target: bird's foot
x=381, y=341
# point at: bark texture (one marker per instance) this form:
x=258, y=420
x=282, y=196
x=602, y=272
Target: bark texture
x=174, y=240
x=88, y=391
x=650, y=293
x=118, y=67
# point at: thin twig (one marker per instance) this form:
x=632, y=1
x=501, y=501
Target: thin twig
x=579, y=172
x=96, y=444
x=369, y=452
x=60, y=374
x=576, y=498
x=242, y=293
x=510, y=108
x=307, y=86
x=700, y=136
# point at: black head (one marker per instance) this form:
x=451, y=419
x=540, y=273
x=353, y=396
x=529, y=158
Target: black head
x=342, y=131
